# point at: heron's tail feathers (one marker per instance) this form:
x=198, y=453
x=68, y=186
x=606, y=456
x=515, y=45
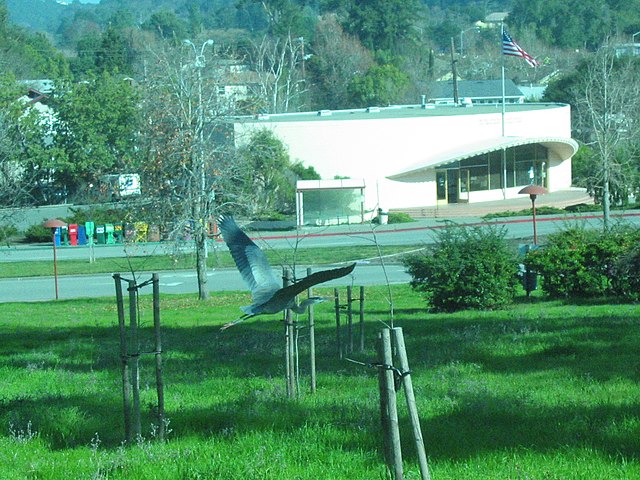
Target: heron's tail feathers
x=300, y=308
x=235, y=322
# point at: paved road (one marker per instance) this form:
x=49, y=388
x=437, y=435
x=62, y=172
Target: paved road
x=43, y=288
x=329, y=237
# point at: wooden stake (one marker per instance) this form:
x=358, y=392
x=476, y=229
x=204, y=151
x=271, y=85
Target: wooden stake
x=124, y=360
x=290, y=332
x=135, y=372
x=388, y=406
x=362, y=319
x=336, y=297
x=414, y=419
x=158, y=355
x=312, y=338
x=349, y=319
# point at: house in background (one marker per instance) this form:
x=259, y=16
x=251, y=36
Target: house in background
x=477, y=92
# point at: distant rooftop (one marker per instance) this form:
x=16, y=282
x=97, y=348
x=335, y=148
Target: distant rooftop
x=474, y=89
x=395, y=111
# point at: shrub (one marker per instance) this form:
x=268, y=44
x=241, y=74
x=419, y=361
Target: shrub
x=468, y=268
x=37, y=234
x=400, y=217
x=626, y=274
x=581, y=263
x=7, y=231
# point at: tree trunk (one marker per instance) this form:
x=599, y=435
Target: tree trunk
x=201, y=258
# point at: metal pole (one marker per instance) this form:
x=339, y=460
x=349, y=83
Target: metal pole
x=535, y=231
x=55, y=263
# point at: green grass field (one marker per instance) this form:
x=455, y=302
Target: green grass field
x=543, y=390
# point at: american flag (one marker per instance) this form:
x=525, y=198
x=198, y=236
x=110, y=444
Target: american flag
x=511, y=48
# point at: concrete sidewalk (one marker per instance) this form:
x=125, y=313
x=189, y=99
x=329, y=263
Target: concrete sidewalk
x=560, y=199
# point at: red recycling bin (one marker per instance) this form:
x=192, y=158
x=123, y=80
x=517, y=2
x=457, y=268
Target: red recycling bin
x=73, y=234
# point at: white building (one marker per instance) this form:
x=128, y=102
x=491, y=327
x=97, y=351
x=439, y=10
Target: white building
x=426, y=155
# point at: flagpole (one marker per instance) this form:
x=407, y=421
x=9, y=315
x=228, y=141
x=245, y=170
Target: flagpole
x=504, y=151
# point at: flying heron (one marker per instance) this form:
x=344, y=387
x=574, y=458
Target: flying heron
x=267, y=294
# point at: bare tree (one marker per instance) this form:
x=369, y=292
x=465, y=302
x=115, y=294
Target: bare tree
x=276, y=61
x=186, y=161
x=337, y=58
x=608, y=101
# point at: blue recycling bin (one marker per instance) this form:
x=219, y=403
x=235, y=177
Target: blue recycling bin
x=82, y=235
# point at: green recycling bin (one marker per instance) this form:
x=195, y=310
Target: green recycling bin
x=100, y=235
x=108, y=231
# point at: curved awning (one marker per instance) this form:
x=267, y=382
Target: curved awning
x=563, y=148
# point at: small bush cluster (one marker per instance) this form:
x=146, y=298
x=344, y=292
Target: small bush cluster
x=7, y=231
x=468, y=268
x=586, y=263
x=37, y=234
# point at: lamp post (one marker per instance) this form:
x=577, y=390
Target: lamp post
x=199, y=63
x=462, y=32
x=53, y=224
x=533, y=191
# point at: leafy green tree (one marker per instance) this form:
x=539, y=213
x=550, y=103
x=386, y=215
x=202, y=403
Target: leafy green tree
x=167, y=25
x=267, y=178
x=97, y=122
x=114, y=54
x=382, y=25
x=381, y=85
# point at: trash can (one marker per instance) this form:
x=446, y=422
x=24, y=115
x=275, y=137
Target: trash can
x=108, y=232
x=73, y=234
x=82, y=235
x=383, y=217
x=90, y=229
x=100, y=235
x=528, y=277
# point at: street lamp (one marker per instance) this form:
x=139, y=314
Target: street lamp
x=53, y=224
x=199, y=63
x=462, y=32
x=533, y=191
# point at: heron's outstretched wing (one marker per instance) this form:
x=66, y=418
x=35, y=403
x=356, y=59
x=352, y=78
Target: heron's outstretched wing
x=314, y=279
x=250, y=260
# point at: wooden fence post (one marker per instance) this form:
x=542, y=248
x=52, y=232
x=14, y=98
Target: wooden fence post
x=361, y=319
x=349, y=319
x=414, y=419
x=135, y=346
x=388, y=406
x=290, y=332
x=158, y=355
x=124, y=360
x=312, y=338
x=336, y=297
